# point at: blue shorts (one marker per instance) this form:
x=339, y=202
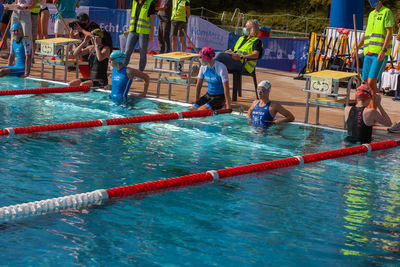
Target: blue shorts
x=372, y=69
x=15, y=70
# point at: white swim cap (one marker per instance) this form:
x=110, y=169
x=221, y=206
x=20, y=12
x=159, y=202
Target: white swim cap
x=266, y=84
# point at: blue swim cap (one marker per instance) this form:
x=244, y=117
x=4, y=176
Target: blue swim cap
x=118, y=56
x=15, y=26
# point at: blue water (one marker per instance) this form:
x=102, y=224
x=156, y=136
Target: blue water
x=336, y=213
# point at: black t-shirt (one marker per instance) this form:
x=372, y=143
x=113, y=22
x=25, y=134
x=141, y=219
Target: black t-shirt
x=166, y=14
x=257, y=46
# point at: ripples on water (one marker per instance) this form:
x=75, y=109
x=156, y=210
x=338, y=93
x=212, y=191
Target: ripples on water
x=337, y=212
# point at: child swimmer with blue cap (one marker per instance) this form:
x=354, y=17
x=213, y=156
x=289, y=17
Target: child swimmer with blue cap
x=122, y=77
x=20, y=53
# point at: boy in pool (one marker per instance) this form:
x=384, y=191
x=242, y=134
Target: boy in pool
x=262, y=112
x=122, y=77
x=216, y=75
x=21, y=49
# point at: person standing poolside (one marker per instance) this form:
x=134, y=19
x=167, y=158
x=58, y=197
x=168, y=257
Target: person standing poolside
x=377, y=42
x=67, y=10
x=164, y=25
x=141, y=29
x=122, y=77
x=22, y=15
x=43, y=23
x=4, y=21
x=360, y=118
x=216, y=75
x=21, y=49
x=262, y=112
x=179, y=18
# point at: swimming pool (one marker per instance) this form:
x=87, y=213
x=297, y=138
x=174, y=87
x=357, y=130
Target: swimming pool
x=337, y=212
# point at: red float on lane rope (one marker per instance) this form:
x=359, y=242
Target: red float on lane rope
x=53, y=90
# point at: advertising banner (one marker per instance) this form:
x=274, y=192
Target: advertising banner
x=203, y=33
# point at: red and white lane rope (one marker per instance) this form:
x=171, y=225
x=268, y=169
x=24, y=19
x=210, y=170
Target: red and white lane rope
x=51, y=90
x=117, y=121
x=101, y=196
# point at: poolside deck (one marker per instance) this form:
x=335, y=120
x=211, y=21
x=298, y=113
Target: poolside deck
x=284, y=89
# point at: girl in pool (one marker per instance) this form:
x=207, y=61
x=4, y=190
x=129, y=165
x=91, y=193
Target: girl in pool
x=262, y=112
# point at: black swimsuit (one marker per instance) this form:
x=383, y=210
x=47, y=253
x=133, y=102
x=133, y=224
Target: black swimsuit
x=356, y=128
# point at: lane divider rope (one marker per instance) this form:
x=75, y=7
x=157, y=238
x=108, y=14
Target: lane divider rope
x=50, y=90
x=116, y=121
x=100, y=196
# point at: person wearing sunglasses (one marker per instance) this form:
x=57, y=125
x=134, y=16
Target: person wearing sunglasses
x=262, y=112
x=21, y=50
x=360, y=118
x=122, y=77
x=98, y=52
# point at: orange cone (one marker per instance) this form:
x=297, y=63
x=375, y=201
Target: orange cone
x=293, y=67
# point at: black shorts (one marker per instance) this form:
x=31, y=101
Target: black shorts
x=96, y=82
x=43, y=9
x=177, y=27
x=6, y=17
x=214, y=102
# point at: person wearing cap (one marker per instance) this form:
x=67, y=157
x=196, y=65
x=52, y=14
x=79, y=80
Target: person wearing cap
x=216, y=75
x=122, y=77
x=68, y=13
x=377, y=42
x=262, y=112
x=83, y=26
x=360, y=118
x=21, y=52
x=99, y=52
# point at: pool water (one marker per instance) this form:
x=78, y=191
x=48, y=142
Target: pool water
x=340, y=212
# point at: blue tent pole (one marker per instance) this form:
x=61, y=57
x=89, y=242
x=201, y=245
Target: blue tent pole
x=342, y=13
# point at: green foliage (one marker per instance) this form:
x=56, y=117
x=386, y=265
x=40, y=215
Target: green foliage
x=304, y=14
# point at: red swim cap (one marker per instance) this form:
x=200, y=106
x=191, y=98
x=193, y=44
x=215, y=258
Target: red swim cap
x=207, y=53
x=363, y=92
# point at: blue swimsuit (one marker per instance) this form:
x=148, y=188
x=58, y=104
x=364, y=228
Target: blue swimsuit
x=260, y=116
x=120, y=85
x=19, y=50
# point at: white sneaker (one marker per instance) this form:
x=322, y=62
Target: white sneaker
x=394, y=129
x=138, y=79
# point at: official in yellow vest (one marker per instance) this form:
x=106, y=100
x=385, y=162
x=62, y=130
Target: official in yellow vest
x=244, y=55
x=141, y=28
x=377, y=42
x=179, y=18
